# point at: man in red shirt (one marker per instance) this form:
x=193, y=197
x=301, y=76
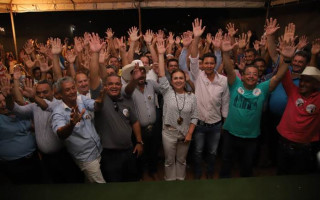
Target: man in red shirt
x=299, y=127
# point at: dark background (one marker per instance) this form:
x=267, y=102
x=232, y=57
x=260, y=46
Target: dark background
x=42, y=25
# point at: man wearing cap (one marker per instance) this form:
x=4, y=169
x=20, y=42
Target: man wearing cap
x=143, y=93
x=299, y=127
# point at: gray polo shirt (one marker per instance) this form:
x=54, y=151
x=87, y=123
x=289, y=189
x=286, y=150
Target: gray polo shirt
x=145, y=103
x=114, y=122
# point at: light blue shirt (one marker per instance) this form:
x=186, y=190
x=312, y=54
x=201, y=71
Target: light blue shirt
x=84, y=143
x=16, y=140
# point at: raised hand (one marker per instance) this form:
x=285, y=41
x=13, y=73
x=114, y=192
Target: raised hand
x=133, y=33
x=231, y=30
x=177, y=40
x=263, y=40
x=5, y=86
x=226, y=43
x=95, y=43
x=197, y=30
x=109, y=33
x=28, y=90
x=29, y=63
x=103, y=56
x=217, y=39
x=303, y=41
x=315, y=49
x=76, y=116
x=78, y=44
x=256, y=45
x=56, y=46
x=242, y=41
x=208, y=38
x=287, y=49
x=43, y=48
x=271, y=26
x=44, y=65
x=86, y=38
x=170, y=38
x=148, y=36
x=160, y=35
x=71, y=56
x=28, y=47
x=161, y=48
x=121, y=44
x=289, y=32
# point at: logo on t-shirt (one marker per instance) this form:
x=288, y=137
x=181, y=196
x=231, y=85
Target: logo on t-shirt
x=311, y=108
x=299, y=102
x=241, y=90
x=256, y=92
x=125, y=112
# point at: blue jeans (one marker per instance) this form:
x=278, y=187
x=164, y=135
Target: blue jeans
x=205, y=138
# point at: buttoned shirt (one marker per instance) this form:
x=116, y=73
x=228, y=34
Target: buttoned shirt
x=212, y=97
x=145, y=103
x=47, y=141
x=84, y=143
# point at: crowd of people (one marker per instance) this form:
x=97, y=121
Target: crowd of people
x=100, y=110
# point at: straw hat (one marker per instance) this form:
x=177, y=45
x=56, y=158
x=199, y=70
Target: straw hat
x=311, y=71
x=126, y=70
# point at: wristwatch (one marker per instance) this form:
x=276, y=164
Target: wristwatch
x=141, y=142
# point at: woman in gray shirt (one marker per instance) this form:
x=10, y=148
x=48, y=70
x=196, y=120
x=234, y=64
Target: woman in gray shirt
x=179, y=119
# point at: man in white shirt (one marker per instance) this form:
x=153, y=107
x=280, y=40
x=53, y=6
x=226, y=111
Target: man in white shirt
x=212, y=94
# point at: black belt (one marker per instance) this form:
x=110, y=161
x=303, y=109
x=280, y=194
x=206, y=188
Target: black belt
x=202, y=123
x=148, y=128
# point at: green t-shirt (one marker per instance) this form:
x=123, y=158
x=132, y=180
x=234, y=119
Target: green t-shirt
x=245, y=109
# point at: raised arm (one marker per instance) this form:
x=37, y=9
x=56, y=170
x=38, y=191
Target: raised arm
x=270, y=28
x=148, y=38
x=315, y=49
x=226, y=47
x=197, y=32
x=56, y=48
x=133, y=34
x=161, y=50
x=29, y=91
x=95, y=47
x=287, y=52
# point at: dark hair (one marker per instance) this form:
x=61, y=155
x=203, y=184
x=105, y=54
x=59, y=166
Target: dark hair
x=111, y=75
x=112, y=67
x=172, y=60
x=259, y=60
x=251, y=50
x=209, y=55
x=81, y=72
x=304, y=54
x=248, y=66
x=178, y=70
x=34, y=69
x=45, y=82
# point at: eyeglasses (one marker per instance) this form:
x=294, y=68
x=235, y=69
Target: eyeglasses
x=116, y=106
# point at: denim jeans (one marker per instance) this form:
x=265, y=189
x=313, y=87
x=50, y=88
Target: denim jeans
x=233, y=147
x=205, y=138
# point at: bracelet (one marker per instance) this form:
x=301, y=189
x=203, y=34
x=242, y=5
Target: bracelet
x=287, y=61
x=140, y=142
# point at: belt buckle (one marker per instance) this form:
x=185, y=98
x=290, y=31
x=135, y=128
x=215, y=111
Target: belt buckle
x=201, y=123
x=149, y=128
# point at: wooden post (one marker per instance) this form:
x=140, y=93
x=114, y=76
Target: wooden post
x=14, y=32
